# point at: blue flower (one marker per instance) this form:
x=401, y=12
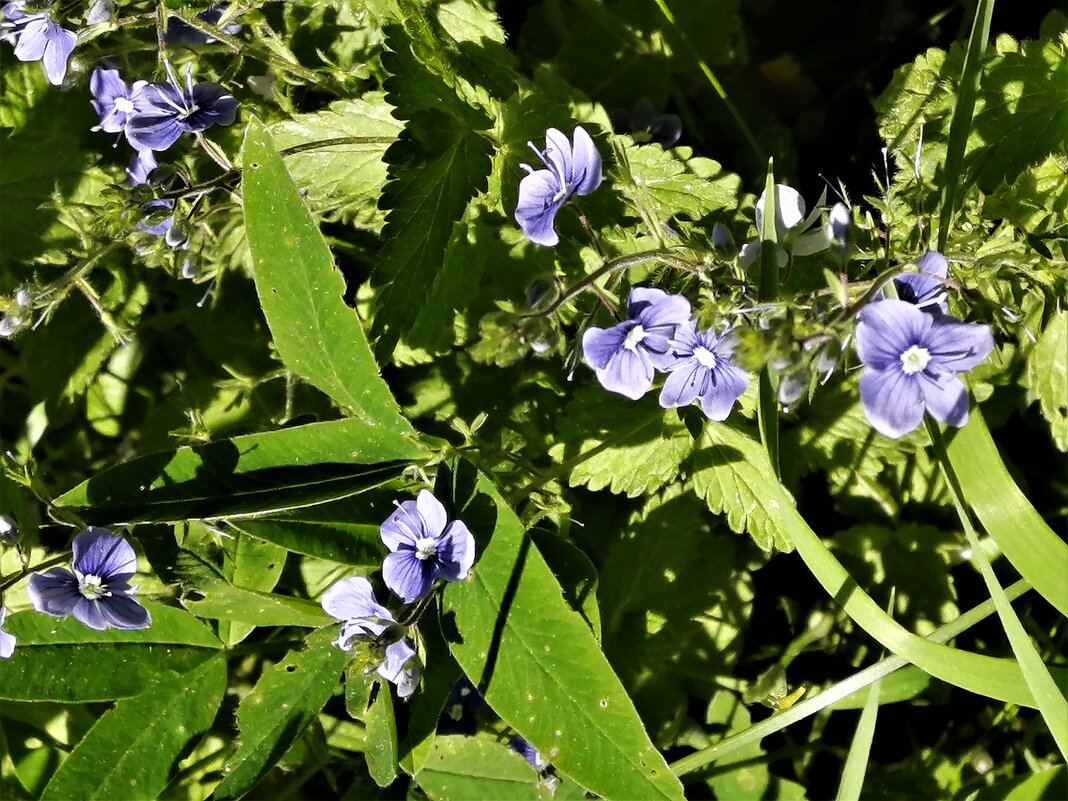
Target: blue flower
x=926, y=288
x=113, y=100
x=424, y=547
x=179, y=32
x=352, y=601
x=626, y=355
x=98, y=593
x=167, y=110
x=36, y=37
x=911, y=360
x=141, y=166
x=702, y=370
x=7, y=641
x=572, y=168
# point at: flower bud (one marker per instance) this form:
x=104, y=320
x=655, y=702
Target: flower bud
x=542, y=293
x=791, y=387
x=9, y=324
x=23, y=297
x=723, y=242
x=8, y=529
x=177, y=235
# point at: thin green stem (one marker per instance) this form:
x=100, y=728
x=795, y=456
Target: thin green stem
x=16, y=577
x=768, y=292
x=710, y=76
x=961, y=126
x=843, y=689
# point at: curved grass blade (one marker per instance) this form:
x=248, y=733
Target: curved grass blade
x=856, y=763
x=767, y=404
x=1032, y=547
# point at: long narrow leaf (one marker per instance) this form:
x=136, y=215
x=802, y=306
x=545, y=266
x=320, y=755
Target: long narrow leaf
x=856, y=764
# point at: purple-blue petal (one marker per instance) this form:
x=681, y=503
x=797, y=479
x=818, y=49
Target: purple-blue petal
x=600, y=344
x=89, y=614
x=141, y=166
x=682, y=384
x=393, y=668
x=54, y=592
x=456, y=552
x=403, y=527
x=98, y=552
x=153, y=130
x=585, y=164
x=123, y=612
x=7, y=644
x=406, y=575
x=628, y=373
x=888, y=328
x=535, y=212
x=351, y=599
x=945, y=397
x=60, y=45
x=726, y=383
x=432, y=513
x=558, y=155
x=958, y=346
x=892, y=401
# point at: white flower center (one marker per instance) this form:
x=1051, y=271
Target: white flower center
x=561, y=194
x=124, y=105
x=705, y=357
x=91, y=587
x=634, y=336
x=915, y=359
x=185, y=114
x=425, y=547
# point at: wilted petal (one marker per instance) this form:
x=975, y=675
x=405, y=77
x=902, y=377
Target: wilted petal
x=54, y=592
x=958, y=346
x=351, y=599
x=586, y=164
x=945, y=396
x=600, y=344
x=406, y=575
x=432, y=513
x=98, y=552
x=123, y=612
x=886, y=329
x=456, y=552
x=727, y=384
x=628, y=374
x=892, y=401
x=536, y=209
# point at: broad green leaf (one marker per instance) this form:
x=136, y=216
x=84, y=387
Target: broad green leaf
x=1045, y=785
x=743, y=775
x=288, y=696
x=733, y=475
x=250, y=564
x=606, y=441
x=1047, y=375
x=132, y=747
x=901, y=685
x=255, y=473
x=111, y=664
x=575, y=573
x=1006, y=514
x=318, y=336
x=343, y=180
x=475, y=768
x=380, y=749
x=38, y=119
x=536, y=661
x=662, y=184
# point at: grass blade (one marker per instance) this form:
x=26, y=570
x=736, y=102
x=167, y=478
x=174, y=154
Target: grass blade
x=856, y=764
x=767, y=405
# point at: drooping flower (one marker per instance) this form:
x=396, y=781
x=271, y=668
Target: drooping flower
x=36, y=37
x=794, y=232
x=424, y=547
x=571, y=168
x=626, y=355
x=645, y=125
x=7, y=641
x=98, y=592
x=352, y=601
x=702, y=370
x=141, y=166
x=911, y=360
x=167, y=110
x=926, y=289
x=181, y=33
x=113, y=100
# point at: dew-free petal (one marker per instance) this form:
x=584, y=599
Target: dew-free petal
x=599, y=344
x=892, y=401
x=350, y=598
x=123, y=612
x=98, y=552
x=886, y=328
x=406, y=575
x=456, y=552
x=628, y=373
x=54, y=592
x=945, y=396
x=959, y=346
x=432, y=513
x=60, y=45
x=586, y=163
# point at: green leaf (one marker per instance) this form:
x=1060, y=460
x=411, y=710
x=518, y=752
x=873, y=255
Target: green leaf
x=38, y=119
x=1032, y=547
x=1044, y=785
x=288, y=696
x=344, y=180
x=131, y=748
x=380, y=750
x=604, y=441
x=662, y=184
x=731, y=472
x=253, y=565
x=536, y=661
x=318, y=337
x=111, y=664
x=255, y=473
x=475, y=768
x=856, y=764
x=1047, y=376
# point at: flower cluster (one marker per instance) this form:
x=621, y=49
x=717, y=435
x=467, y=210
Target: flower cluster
x=912, y=352
x=659, y=334
x=425, y=546
x=36, y=37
